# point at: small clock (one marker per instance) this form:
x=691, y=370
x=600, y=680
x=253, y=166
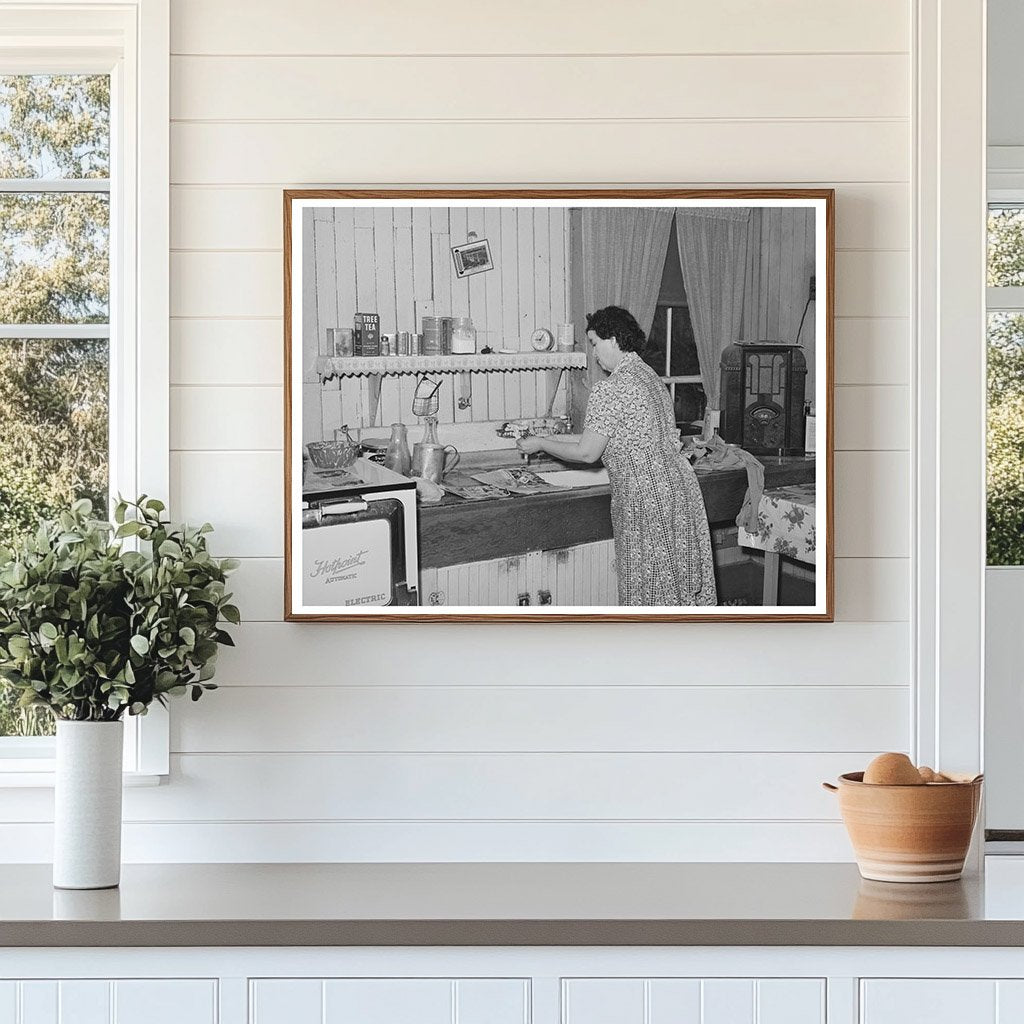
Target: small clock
x=542, y=340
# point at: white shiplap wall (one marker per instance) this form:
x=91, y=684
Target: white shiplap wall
x=682, y=741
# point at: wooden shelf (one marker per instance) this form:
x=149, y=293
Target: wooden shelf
x=359, y=366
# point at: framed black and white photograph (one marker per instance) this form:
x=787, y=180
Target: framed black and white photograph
x=472, y=258
x=665, y=454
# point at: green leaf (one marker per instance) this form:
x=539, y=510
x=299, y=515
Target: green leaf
x=49, y=631
x=231, y=613
x=140, y=644
x=170, y=549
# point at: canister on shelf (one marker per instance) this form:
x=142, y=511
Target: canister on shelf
x=446, y=335
x=387, y=344
x=403, y=343
x=431, y=343
x=415, y=344
x=339, y=340
x=463, y=336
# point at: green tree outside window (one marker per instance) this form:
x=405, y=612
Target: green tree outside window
x=54, y=271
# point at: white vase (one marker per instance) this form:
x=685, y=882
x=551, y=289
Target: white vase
x=87, y=805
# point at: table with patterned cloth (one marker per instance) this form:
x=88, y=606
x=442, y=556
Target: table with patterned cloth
x=785, y=527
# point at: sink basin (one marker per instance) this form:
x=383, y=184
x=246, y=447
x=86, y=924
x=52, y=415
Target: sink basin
x=508, y=458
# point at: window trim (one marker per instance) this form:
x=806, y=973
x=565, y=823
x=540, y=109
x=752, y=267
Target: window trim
x=129, y=40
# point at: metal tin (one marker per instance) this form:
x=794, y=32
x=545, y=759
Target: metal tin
x=403, y=343
x=339, y=340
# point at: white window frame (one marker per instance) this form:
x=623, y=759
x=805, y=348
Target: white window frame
x=130, y=41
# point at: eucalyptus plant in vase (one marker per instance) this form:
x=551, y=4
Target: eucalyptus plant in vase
x=95, y=625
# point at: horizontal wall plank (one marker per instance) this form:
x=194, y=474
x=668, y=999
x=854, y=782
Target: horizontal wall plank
x=242, y=494
x=227, y=352
x=872, y=589
x=378, y=787
x=241, y=418
x=867, y=589
x=234, y=284
x=868, y=216
x=873, y=350
x=279, y=842
x=872, y=418
x=873, y=283
x=633, y=719
x=768, y=654
x=258, y=586
x=534, y=26
x=872, y=504
x=369, y=88
x=567, y=151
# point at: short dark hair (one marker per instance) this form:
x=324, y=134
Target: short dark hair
x=618, y=323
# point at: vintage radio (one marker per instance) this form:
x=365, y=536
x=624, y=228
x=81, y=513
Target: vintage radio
x=762, y=399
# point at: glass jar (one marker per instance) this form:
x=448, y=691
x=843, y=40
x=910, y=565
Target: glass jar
x=397, y=457
x=463, y=336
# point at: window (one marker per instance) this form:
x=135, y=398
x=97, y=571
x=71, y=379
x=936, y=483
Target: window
x=671, y=349
x=54, y=308
x=83, y=265
x=1005, y=476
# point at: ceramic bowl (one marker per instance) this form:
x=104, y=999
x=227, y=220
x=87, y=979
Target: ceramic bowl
x=909, y=833
x=332, y=454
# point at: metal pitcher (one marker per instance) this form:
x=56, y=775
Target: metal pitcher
x=433, y=461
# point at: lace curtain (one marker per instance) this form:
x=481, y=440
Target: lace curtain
x=713, y=254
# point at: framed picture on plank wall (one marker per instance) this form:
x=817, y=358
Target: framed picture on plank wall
x=559, y=405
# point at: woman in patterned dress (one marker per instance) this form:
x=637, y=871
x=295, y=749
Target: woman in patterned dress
x=660, y=525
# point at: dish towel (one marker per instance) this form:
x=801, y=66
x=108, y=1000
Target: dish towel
x=714, y=453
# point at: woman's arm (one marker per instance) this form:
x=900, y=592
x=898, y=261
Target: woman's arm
x=585, y=447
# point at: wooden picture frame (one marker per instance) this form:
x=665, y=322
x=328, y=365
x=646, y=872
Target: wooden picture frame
x=344, y=247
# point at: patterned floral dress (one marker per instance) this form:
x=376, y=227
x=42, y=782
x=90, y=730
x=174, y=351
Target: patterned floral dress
x=662, y=541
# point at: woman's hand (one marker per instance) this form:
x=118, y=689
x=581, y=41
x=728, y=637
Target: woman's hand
x=530, y=445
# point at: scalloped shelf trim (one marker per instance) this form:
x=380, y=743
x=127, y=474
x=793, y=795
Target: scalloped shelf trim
x=360, y=366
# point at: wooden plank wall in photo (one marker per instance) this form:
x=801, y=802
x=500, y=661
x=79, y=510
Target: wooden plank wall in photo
x=602, y=741
x=780, y=262
x=392, y=260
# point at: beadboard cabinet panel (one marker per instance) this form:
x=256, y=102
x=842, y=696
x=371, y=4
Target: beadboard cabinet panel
x=320, y=26
x=930, y=1001
x=726, y=152
x=693, y=1001
x=389, y=1001
x=99, y=1001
